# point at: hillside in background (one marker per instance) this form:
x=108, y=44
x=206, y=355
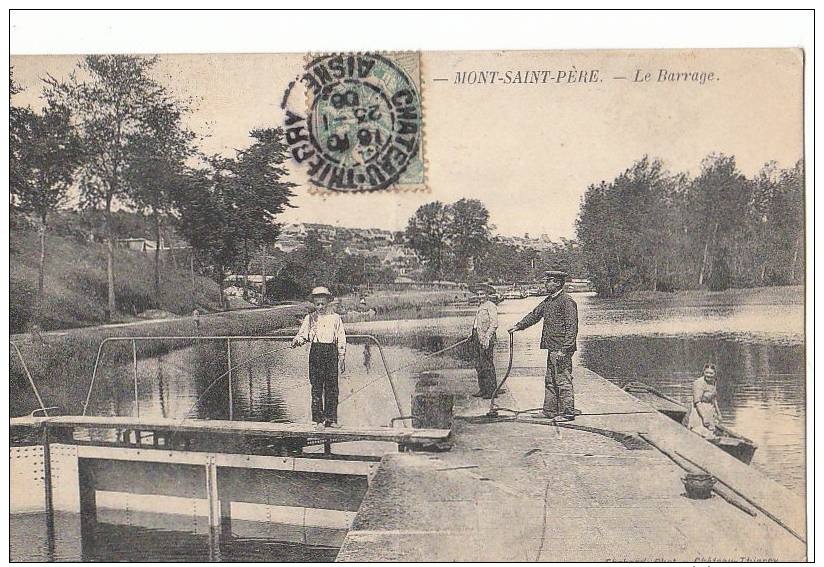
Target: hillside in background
x=75, y=287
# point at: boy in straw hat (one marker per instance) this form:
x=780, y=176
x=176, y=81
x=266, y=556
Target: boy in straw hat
x=323, y=330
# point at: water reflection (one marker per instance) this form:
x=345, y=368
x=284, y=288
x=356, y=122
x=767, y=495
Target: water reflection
x=760, y=387
x=757, y=346
x=183, y=539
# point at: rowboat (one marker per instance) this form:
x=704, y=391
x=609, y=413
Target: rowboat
x=728, y=441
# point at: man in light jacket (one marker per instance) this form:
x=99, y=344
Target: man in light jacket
x=483, y=341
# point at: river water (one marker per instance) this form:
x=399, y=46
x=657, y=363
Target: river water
x=756, y=341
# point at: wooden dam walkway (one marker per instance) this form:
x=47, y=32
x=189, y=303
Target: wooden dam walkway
x=529, y=491
x=269, y=430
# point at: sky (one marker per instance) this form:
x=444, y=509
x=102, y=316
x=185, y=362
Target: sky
x=527, y=151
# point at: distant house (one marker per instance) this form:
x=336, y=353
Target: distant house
x=287, y=244
x=146, y=245
x=354, y=251
x=293, y=230
x=138, y=244
x=379, y=235
x=400, y=258
x=325, y=232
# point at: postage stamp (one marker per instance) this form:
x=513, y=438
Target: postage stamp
x=355, y=121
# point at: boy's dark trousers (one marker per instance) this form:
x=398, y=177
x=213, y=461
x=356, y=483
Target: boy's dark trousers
x=323, y=376
x=485, y=365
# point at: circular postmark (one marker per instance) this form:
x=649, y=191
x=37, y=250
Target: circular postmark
x=360, y=129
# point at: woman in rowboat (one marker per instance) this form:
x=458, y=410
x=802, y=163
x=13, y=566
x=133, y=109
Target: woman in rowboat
x=704, y=413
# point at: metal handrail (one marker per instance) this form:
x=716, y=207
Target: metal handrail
x=228, y=339
x=43, y=407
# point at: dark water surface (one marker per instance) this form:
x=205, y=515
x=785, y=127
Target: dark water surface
x=757, y=343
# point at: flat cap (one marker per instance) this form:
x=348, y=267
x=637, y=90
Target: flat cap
x=555, y=275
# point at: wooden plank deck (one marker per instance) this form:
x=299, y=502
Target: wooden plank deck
x=247, y=428
x=521, y=491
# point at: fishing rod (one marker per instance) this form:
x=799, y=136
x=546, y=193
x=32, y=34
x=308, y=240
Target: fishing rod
x=430, y=355
x=413, y=363
x=303, y=385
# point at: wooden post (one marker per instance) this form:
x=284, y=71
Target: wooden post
x=192, y=273
x=229, y=378
x=432, y=410
x=213, y=501
x=134, y=366
x=212, y=492
x=47, y=485
x=88, y=503
x=263, y=275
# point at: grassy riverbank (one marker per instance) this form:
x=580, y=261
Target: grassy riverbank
x=75, y=284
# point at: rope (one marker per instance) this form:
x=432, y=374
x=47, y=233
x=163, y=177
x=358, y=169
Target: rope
x=492, y=406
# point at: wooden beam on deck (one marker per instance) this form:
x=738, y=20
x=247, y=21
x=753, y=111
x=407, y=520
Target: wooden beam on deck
x=247, y=428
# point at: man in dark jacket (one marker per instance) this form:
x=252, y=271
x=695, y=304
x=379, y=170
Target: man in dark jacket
x=560, y=315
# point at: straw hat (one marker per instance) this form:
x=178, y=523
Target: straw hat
x=320, y=290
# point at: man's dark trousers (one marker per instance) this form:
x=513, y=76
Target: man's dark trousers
x=323, y=376
x=559, y=398
x=485, y=365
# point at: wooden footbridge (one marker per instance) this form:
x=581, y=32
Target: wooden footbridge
x=156, y=432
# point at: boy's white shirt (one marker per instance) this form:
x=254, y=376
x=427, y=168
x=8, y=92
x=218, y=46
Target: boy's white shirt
x=324, y=328
x=486, y=322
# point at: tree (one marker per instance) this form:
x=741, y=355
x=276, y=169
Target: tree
x=595, y=231
x=426, y=233
x=204, y=216
x=352, y=270
x=648, y=229
x=255, y=183
x=564, y=255
x=312, y=264
x=719, y=199
x=48, y=152
x=20, y=119
x=504, y=263
x=776, y=235
x=625, y=229
x=227, y=211
x=156, y=169
x=113, y=101
x=467, y=231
